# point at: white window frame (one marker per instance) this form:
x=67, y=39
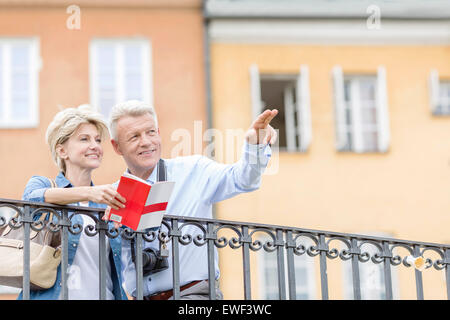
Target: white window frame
x=308, y=263
x=119, y=44
x=6, y=119
x=437, y=99
x=356, y=128
x=297, y=100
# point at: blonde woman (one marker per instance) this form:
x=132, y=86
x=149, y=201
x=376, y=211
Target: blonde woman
x=75, y=138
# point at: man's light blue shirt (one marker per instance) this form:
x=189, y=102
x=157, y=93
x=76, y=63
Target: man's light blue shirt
x=199, y=183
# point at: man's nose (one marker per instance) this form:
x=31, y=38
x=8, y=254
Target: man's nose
x=145, y=140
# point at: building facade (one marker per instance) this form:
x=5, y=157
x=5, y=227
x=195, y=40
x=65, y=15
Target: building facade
x=54, y=55
x=364, y=127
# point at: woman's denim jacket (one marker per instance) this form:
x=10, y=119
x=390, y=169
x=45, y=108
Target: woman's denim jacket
x=34, y=191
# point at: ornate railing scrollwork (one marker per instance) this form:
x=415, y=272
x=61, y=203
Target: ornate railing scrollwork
x=209, y=233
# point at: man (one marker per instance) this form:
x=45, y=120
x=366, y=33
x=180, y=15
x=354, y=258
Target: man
x=199, y=182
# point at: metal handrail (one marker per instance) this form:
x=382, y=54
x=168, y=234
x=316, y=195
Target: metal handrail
x=285, y=240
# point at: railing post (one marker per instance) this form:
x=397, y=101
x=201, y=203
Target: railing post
x=246, y=262
x=323, y=247
x=139, y=267
x=447, y=271
x=102, y=256
x=279, y=243
x=355, y=251
x=387, y=255
x=26, y=220
x=211, y=262
x=418, y=276
x=65, y=224
x=290, y=264
x=175, y=233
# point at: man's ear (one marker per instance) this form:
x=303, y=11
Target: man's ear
x=116, y=147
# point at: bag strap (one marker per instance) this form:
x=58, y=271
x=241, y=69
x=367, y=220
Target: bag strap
x=52, y=185
x=162, y=176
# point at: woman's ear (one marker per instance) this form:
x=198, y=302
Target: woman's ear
x=61, y=152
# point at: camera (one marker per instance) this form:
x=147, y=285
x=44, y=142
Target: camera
x=153, y=262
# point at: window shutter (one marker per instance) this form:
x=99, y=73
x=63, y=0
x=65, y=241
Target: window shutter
x=255, y=91
x=434, y=90
x=339, y=108
x=382, y=111
x=303, y=108
x=356, y=124
x=289, y=115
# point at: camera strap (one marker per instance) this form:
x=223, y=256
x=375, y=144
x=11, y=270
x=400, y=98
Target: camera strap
x=161, y=176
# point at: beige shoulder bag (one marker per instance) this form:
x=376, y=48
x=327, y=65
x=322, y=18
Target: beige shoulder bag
x=45, y=255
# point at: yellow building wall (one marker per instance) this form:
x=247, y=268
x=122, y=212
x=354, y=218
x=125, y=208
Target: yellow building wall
x=402, y=193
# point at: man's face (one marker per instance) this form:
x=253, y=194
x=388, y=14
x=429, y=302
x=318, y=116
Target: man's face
x=139, y=142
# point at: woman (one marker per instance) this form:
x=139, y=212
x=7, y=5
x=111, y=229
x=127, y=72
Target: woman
x=75, y=137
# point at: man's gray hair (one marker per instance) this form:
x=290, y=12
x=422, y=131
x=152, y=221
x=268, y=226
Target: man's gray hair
x=134, y=108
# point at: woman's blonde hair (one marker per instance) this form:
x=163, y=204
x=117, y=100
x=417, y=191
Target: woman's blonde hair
x=66, y=122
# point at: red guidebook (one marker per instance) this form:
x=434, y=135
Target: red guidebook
x=145, y=203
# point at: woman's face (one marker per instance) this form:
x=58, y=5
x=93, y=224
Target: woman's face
x=83, y=149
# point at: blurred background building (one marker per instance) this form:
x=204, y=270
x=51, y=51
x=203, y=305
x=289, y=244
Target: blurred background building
x=363, y=90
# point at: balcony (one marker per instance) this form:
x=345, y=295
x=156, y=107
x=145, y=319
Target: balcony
x=284, y=242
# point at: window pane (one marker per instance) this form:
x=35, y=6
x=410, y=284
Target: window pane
x=106, y=81
x=347, y=90
x=369, y=115
x=444, y=90
x=20, y=82
x=106, y=56
x=106, y=104
x=133, y=72
x=370, y=141
x=372, y=281
x=348, y=117
x=106, y=77
x=20, y=56
x=20, y=106
x=300, y=276
x=444, y=105
x=133, y=56
x=133, y=86
x=273, y=94
x=367, y=89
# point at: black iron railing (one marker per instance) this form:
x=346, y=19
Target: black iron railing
x=285, y=241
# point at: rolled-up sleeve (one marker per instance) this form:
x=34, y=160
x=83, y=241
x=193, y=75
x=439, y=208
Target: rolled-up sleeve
x=35, y=189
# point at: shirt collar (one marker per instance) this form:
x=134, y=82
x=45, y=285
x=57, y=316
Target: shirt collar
x=152, y=177
x=62, y=182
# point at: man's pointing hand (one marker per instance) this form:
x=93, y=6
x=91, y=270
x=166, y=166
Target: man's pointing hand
x=261, y=132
